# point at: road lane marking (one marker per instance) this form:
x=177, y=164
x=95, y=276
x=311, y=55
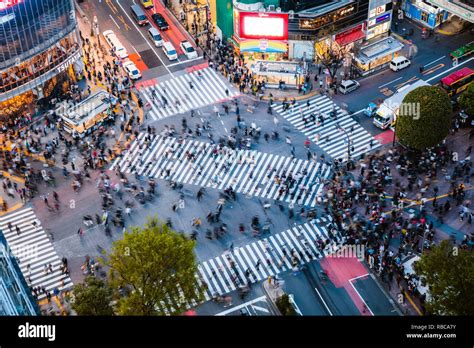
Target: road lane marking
x=324, y=302
x=414, y=78
x=112, y=18
x=111, y=5
x=361, y=276
x=241, y=306
x=261, y=309
x=434, y=61
x=433, y=69
x=185, y=61
x=362, y=299
x=127, y=27
x=390, y=82
x=144, y=38
x=454, y=67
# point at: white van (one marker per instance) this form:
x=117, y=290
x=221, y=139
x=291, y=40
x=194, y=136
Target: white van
x=170, y=51
x=114, y=43
x=399, y=63
x=155, y=36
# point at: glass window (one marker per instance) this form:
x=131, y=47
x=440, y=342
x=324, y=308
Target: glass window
x=32, y=26
x=424, y=16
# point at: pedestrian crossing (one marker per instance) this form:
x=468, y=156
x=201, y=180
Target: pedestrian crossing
x=32, y=248
x=265, y=258
x=175, y=96
x=325, y=131
x=252, y=173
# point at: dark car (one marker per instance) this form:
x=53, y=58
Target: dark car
x=160, y=21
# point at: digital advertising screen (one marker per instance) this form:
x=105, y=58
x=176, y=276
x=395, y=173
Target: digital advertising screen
x=272, y=26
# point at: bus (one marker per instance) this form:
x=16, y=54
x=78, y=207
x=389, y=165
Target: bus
x=458, y=81
x=463, y=51
x=88, y=115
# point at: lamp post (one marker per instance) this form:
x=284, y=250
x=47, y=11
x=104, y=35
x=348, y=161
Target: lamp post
x=348, y=141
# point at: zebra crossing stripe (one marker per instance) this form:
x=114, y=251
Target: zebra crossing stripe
x=249, y=172
x=33, y=250
x=302, y=239
x=208, y=89
x=337, y=145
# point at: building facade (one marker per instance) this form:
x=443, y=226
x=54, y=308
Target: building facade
x=40, y=49
x=15, y=295
x=428, y=15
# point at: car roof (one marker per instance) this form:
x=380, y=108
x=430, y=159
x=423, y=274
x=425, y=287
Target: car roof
x=186, y=43
x=129, y=63
x=347, y=82
x=398, y=59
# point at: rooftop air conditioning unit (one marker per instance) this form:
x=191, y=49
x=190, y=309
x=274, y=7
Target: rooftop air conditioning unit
x=278, y=9
x=261, y=9
x=291, y=14
x=271, y=7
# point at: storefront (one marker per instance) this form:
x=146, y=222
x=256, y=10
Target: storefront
x=424, y=13
x=350, y=36
x=377, y=56
x=291, y=73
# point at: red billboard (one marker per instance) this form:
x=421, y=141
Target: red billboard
x=254, y=25
x=7, y=3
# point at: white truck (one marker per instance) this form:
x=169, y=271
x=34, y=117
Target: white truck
x=386, y=114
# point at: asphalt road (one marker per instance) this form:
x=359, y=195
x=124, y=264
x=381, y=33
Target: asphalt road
x=116, y=15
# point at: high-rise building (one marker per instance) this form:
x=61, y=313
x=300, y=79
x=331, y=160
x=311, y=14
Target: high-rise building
x=40, y=50
x=15, y=295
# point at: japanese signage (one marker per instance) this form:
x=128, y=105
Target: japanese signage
x=377, y=11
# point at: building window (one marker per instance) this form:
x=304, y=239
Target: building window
x=424, y=16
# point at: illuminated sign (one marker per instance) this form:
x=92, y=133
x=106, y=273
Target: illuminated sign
x=376, y=11
x=383, y=18
x=4, y=4
x=270, y=26
x=312, y=24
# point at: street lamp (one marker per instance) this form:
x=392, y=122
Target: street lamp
x=348, y=141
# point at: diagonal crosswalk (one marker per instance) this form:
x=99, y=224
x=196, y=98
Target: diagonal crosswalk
x=326, y=133
x=266, y=257
x=249, y=172
x=207, y=88
x=33, y=250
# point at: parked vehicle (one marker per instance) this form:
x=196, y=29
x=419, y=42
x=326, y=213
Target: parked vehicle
x=115, y=44
x=155, y=36
x=139, y=15
x=160, y=21
x=348, y=86
x=170, y=51
x=399, y=63
x=132, y=70
x=371, y=110
x=188, y=49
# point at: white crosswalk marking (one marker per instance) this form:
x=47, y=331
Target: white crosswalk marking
x=273, y=255
x=249, y=172
x=33, y=250
x=207, y=89
x=331, y=139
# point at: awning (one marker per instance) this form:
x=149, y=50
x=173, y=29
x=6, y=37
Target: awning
x=347, y=38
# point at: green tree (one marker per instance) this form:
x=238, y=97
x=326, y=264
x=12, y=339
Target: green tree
x=467, y=100
x=424, y=118
x=284, y=305
x=149, y=263
x=93, y=297
x=449, y=274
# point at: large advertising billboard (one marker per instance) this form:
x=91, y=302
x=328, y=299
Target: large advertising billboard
x=7, y=3
x=271, y=26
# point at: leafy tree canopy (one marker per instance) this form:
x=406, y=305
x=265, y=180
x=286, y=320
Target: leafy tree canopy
x=424, y=118
x=157, y=267
x=449, y=274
